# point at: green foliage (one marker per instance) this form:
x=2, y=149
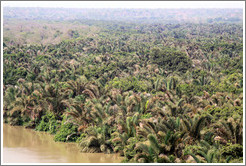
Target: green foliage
x=170, y=59
x=224, y=112
x=235, y=150
x=80, y=138
x=129, y=83
x=12, y=74
x=67, y=132
x=129, y=149
x=48, y=123
x=146, y=116
x=232, y=83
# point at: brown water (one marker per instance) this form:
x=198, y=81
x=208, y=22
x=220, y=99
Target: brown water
x=22, y=145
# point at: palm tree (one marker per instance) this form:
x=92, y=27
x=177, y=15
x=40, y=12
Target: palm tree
x=208, y=153
x=193, y=127
x=231, y=131
x=80, y=116
x=56, y=99
x=96, y=140
x=77, y=87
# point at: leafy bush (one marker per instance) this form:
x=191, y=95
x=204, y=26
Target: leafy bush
x=79, y=139
x=67, y=132
x=48, y=123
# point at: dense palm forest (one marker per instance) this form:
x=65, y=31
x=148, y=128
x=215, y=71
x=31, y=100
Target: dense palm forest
x=150, y=91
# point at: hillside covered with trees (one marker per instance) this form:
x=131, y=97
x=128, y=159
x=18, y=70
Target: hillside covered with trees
x=168, y=89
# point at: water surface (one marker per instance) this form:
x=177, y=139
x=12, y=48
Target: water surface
x=22, y=145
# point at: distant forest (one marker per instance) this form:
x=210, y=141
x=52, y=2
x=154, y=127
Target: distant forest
x=140, y=15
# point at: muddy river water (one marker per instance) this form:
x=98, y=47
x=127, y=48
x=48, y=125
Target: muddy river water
x=22, y=145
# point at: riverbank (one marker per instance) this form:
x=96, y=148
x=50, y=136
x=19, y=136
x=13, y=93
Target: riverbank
x=21, y=145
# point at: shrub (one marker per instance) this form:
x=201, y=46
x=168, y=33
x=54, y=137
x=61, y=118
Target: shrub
x=48, y=123
x=67, y=132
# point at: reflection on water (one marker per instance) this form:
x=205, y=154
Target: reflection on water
x=22, y=145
